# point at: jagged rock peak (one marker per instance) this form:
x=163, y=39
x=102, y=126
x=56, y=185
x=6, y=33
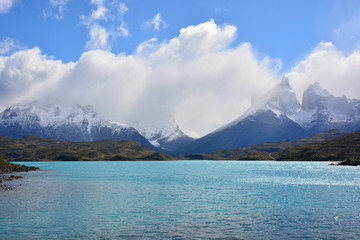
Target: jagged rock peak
x=315, y=97
x=281, y=99
x=85, y=109
x=285, y=83
x=316, y=89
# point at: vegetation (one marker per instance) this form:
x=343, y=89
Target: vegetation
x=7, y=167
x=344, y=148
x=42, y=149
x=264, y=151
x=328, y=146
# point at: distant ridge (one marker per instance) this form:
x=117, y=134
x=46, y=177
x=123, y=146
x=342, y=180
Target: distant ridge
x=265, y=151
x=43, y=149
x=343, y=148
x=50, y=119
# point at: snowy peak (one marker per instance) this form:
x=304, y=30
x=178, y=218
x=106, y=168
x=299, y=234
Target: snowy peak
x=317, y=99
x=162, y=134
x=48, y=113
x=80, y=114
x=316, y=89
x=281, y=100
x=315, y=96
x=51, y=119
x=321, y=111
x=20, y=114
x=284, y=84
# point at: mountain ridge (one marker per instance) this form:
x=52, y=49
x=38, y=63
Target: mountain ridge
x=44, y=149
x=274, y=116
x=277, y=116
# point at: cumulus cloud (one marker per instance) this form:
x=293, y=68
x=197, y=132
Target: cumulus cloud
x=28, y=74
x=6, y=5
x=157, y=23
x=195, y=77
x=123, y=30
x=105, y=23
x=98, y=38
x=96, y=14
x=55, y=9
x=122, y=8
x=9, y=45
x=335, y=71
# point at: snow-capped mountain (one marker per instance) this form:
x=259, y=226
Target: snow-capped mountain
x=265, y=121
x=165, y=134
x=321, y=111
x=278, y=115
x=281, y=100
x=275, y=116
x=52, y=120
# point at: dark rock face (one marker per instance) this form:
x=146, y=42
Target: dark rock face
x=263, y=126
x=176, y=146
x=349, y=163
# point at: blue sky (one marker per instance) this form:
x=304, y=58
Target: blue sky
x=280, y=28
x=200, y=62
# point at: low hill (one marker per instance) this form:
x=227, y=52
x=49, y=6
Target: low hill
x=343, y=148
x=7, y=167
x=43, y=149
x=264, y=151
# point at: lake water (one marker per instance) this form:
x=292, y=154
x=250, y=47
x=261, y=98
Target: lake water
x=183, y=200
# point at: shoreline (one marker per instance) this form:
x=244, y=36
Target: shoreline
x=4, y=187
x=7, y=168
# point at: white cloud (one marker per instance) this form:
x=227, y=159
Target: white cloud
x=99, y=13
x=55, y=9
x=9, y=45
x=123, y=30
x=105, y=23
x=122, y=8
x=147, y=47
x=99, y=38
x=336, y=72
x=156, y=22
x=27, y=74
x=5, y=6
x=202, y=38
x=196, y=77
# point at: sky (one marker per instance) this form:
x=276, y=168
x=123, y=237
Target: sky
x=200, y=61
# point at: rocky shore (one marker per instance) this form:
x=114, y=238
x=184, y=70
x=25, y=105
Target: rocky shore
x=349, y=163
x=6, y=167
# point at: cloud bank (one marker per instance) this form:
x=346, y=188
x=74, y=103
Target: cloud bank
x=197, y=77
x=336, y=72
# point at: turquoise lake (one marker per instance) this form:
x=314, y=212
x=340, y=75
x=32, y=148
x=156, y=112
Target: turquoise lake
x=183, y=200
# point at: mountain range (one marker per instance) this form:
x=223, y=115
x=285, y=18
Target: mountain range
x=275, y=116
x=278, y=116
